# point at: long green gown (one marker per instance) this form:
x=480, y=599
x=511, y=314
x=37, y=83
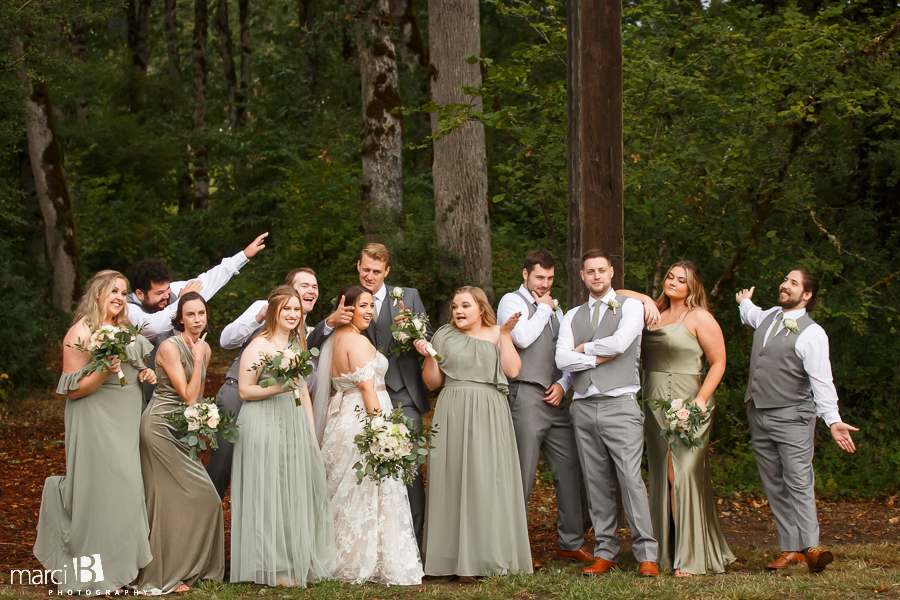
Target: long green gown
x=282, y=523
x=97, y=508
x=673, y=368
x=475, y=520
x=187, y=526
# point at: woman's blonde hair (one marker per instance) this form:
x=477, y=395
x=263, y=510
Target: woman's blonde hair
x=92, y=308
x=488, y=318
x=277, y=299
x=696, y=293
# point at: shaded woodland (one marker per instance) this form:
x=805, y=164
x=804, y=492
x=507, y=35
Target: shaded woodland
x=758, y=136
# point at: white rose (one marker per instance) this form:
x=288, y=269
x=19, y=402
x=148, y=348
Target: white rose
x=375, y=448
x=193, y=425
x=377, y=422
x=417, y=323
x=393, y=443
x=402, y=337
x=285, y=364
x=677, y=404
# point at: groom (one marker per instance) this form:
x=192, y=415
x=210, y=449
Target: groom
x=790, y=384
x=599, y=343
x=537, y=402
x=404, y=375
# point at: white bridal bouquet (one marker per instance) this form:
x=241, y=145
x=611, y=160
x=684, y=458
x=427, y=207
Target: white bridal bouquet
x=198, y=424
x=413, y=328
x=391, y=447
x=684, y=419
x=286, y=366
x=106, y=344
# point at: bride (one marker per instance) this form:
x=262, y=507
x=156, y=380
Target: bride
x=372, y=523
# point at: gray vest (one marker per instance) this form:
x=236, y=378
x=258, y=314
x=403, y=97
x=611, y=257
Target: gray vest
x=621, y=371
x=539, y=359
x=235, y=370
x=777, y=376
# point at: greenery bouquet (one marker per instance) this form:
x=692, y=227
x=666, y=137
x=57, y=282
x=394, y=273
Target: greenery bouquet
x=412, y=328
x=106, y=344
x=287, y=366
x=199, y=423
x=391, y=447
x=684, y=419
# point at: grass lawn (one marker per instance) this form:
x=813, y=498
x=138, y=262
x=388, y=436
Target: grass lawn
x=859, y=571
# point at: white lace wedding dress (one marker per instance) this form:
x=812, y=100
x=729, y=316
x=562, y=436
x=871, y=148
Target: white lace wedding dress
x=372, y=523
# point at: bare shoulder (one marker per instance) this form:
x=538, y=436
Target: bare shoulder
x=700, y=319
x=78, y=332
x=494, y=334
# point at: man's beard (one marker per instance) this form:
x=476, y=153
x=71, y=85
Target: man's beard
x=791, y=303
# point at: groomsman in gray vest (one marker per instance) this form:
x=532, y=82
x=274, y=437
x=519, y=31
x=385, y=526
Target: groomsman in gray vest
x=537, y=401
x=790, y=384
x=404, y=375
x=239, y=334
x=599, y=343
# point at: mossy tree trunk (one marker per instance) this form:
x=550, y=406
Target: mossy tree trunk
x=382, y=135
x=460, y=160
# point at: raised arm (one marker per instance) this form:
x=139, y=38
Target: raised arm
x=510, y=361
x=527, y=329
x=239, y=331
x=432, y=375
x=651, y=311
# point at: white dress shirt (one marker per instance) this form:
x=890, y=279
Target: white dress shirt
x=379, y=297
x=153, y=325
x=811, y=347
x=239, y=331
x=630, y=328
x=527, y=330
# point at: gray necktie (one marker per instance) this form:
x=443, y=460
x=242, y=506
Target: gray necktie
x=375, y=307
x=772, y=332
x=595, y=316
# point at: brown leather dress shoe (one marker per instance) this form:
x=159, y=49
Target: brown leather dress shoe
x=599, y=567
x=580, y=555
x=784, y=560
x=818, y=558
x=648, y=569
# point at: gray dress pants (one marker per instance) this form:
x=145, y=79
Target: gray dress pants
x=783, y=446
x=543, y=428
x=609, y=432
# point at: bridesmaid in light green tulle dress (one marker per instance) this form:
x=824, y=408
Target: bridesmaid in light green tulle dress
x=97, y=508
x=475, y=520
x=682, y=504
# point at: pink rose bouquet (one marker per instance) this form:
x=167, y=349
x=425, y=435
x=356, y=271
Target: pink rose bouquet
x=683, y=418
x=199, y=424
x=287, y=368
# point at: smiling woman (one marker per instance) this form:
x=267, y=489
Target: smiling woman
x=102, y=422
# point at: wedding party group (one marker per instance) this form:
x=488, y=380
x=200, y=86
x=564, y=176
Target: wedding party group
x=312, y=500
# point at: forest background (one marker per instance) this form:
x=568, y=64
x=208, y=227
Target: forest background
x=758, y=136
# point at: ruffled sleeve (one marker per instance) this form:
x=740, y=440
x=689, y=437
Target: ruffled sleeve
x=469, y=359
x=72, y=381
x=138, y=352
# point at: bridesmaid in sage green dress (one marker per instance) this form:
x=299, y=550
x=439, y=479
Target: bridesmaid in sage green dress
x=187, y=527
x=282, y=524
x=475, y=521
x=682, y=504
x=97, y=508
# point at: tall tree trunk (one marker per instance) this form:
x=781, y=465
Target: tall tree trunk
x=80, y=52
x=306, y=17
x=50, y=186
x=138, y=24
x=460, y=157
x=382, y=135
x=227, y=60
x=201, y=157
x=171, y=19
x=246, y=50
x=412, y=46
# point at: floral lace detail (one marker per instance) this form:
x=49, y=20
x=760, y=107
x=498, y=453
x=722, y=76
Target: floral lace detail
x=370, y=370
x=373, y=525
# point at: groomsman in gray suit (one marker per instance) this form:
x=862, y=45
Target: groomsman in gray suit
x=537, y=401
x=239, y=334
x=599, y=343
x=790, y=384
x=404, y=375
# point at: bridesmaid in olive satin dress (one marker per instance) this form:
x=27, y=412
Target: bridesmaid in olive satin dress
x=682, y=504
x=187, y=527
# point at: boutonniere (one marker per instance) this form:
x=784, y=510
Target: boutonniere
x=556, y=306
x=614, y=305
x=309, y=329
x=396, y=294
x=791, y=326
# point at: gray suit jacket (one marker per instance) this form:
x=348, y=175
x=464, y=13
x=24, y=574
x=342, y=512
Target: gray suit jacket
x=403, y=368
